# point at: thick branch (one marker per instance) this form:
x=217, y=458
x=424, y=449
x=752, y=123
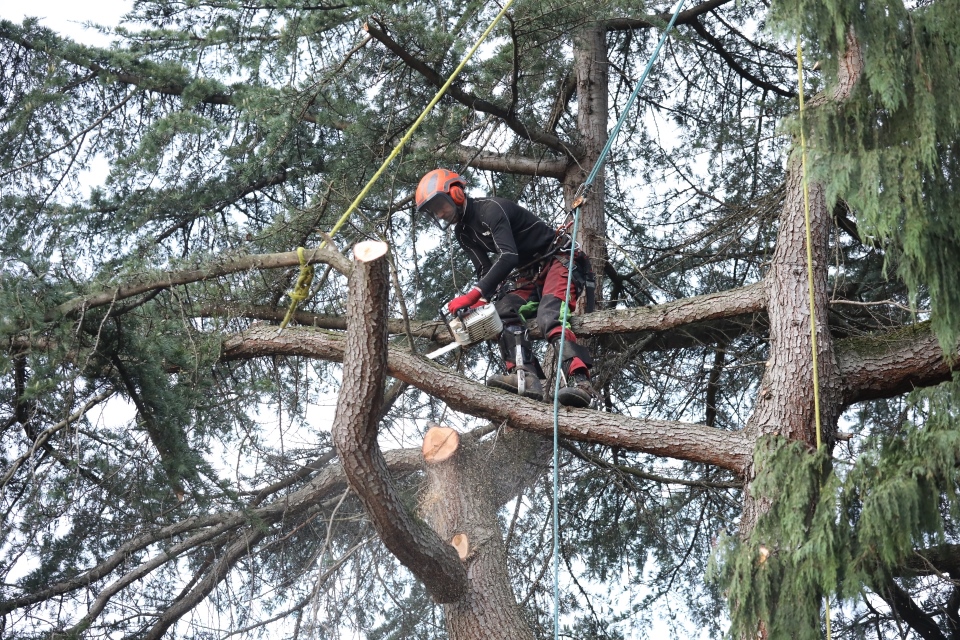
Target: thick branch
x=943, y=558
x=433, y=330
x=684, y=441
x=889, y=364
x=712, y=306
x=417, y=546
x=534, y=134
x=908, y=610
x=512, y=163
x=216, y=270
x=685, y=17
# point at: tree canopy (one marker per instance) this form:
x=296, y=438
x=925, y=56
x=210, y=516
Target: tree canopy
x=173, y=465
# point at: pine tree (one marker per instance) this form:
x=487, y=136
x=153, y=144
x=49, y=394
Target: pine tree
x=171, y=465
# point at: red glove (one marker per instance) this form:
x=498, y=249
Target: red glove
x=469, y=299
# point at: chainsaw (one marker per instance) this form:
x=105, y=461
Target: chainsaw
x=469, y=326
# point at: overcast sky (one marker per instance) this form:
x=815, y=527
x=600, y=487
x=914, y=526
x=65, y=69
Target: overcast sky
x=67, y=16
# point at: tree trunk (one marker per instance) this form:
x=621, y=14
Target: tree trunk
x=591, y=68
x=461, y=504
x=780, y=409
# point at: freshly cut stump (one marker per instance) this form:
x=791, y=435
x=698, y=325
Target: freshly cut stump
x=440, y=443
x=369, y=250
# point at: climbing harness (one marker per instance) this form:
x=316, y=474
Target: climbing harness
x=578, y=201
x=294, y=302
x=813, y=319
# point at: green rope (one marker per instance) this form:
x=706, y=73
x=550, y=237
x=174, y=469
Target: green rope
x=577, y=203
x=396, y=150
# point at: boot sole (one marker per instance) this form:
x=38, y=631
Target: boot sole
x=569, y=398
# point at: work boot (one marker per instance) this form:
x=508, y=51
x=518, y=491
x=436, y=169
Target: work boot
x=578, y=393
x=508, y=382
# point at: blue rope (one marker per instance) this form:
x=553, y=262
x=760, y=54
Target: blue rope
x=563, y=319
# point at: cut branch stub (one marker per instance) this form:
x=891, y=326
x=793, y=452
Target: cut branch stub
x=439, y=444
x=461, y=542
x=416, y=546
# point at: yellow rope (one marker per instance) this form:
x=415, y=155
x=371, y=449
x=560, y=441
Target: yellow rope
x=406, y=138
x=813, y=321
x=301, y=290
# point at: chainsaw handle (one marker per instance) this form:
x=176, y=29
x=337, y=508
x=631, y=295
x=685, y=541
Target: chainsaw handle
x=446, y=317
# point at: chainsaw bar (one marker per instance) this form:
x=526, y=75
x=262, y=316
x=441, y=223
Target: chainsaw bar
x=433, y=355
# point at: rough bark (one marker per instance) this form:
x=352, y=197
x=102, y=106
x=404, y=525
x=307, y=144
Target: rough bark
x=891, y=363
x=780, y=410
x=782, y=407
x=591, y=69
x=415, y=545
x=459, y=503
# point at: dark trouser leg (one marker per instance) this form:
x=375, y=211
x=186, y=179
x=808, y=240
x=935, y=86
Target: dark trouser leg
x=576, y=357
x=508, y=307
x=523, y=372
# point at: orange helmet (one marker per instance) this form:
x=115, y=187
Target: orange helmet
x=441, y=182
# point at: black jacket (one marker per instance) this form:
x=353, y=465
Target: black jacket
x=501, y=227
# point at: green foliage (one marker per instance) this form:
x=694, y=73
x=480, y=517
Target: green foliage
x=890, y=150
x=822, y=533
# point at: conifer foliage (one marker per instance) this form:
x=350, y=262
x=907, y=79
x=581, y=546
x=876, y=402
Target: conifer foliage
x=167, y=467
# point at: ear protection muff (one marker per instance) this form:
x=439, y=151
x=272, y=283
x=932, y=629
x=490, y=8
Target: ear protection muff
x=457, y=195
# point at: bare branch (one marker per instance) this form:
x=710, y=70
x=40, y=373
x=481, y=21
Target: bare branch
x=173, y=278
x=685, y=17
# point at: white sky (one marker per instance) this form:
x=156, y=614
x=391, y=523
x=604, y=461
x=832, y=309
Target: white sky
x=68, y=16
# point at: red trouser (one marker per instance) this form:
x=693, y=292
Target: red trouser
x=548, y=289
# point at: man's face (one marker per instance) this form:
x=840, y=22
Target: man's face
x=442, y=208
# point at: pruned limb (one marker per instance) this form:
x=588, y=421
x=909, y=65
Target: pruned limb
x=415, y=545
x=459, y=503
x=685, y=441
x=461, y=542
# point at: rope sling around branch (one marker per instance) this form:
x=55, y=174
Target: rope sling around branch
x=809, y=238
x=294, y=297
x=577, y=203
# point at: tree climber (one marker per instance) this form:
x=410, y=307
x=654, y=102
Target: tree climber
x=527, y=277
